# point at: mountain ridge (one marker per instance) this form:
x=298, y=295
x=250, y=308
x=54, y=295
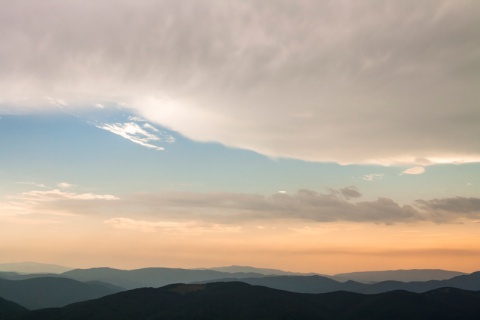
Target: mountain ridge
x=239, y=301
x=404, y=275
x=47, y=292
x=319, y=284
x=150, y=277
x=33, y=267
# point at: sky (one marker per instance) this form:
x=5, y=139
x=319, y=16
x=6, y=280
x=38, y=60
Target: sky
x=310, y=136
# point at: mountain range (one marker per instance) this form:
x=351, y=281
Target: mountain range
x=263, y=271
x=238, y=301
x=398, y=275
x=319, y=284
x=151, y=277
x=36, y=291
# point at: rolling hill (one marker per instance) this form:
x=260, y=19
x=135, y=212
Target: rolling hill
x=399, y=275
x=151, y=277
x=37, y=293
x=238, y=301
x=263, y=271
x=319, y=284
x=10, y=308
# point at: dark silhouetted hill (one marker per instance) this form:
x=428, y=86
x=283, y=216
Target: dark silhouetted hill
x=466, y=282
x=48, y=292
x=10, y=308
x=240, y=301
x=319, y=284
x=301, y=284
x=399, y=275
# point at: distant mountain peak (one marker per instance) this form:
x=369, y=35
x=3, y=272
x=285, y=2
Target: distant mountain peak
x=249, y=269
x=33, y=267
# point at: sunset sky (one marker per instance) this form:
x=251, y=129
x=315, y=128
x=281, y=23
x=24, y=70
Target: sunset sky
x=313, y=136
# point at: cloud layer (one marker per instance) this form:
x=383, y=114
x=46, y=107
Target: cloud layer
x=182, y=208
x=346, y=81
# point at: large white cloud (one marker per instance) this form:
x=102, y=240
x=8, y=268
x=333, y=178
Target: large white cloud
x=345, y=81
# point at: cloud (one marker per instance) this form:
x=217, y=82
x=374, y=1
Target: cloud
x=39, y=185
x=374, y=81
x=414, y=170
x=167, y=226
x=236, y=209
x=144, y=135
x=56, y=194
x=142, y=225
x=53, y=202
x=306, y=205
x=447, y=209
x=350, y=192
x=373, y=176
x=64, y=185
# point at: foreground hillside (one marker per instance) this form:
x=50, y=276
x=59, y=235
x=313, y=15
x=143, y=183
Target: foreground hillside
x=239, y=301
x=9, y=308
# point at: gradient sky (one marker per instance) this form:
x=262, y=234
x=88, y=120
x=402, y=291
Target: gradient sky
x=319, y=136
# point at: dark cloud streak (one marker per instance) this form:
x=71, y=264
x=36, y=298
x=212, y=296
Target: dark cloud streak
x=234, y=208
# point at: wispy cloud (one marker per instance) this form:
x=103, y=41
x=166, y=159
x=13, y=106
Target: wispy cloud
x=31, y=183
x=414, y=170
x=56, y=194
x=51, y=202
x=447, y=209
x=64, y=185
x=373, y=176
x=144, y=226
x=145, y=135
x=168, y=226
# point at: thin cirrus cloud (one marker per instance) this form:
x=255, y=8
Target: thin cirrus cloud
x=52, y=202
x=144, y=226
x=55, y=194
x=145, y=135
x=373, y=176
x=65, y=185
x=372, y=81
x=414, y=170
x=188, y=227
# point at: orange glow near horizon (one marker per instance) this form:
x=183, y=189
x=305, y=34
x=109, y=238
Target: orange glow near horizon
x=327, y=248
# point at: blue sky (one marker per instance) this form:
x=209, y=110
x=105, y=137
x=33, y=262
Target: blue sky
x=241, y=133
x=60, y=146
